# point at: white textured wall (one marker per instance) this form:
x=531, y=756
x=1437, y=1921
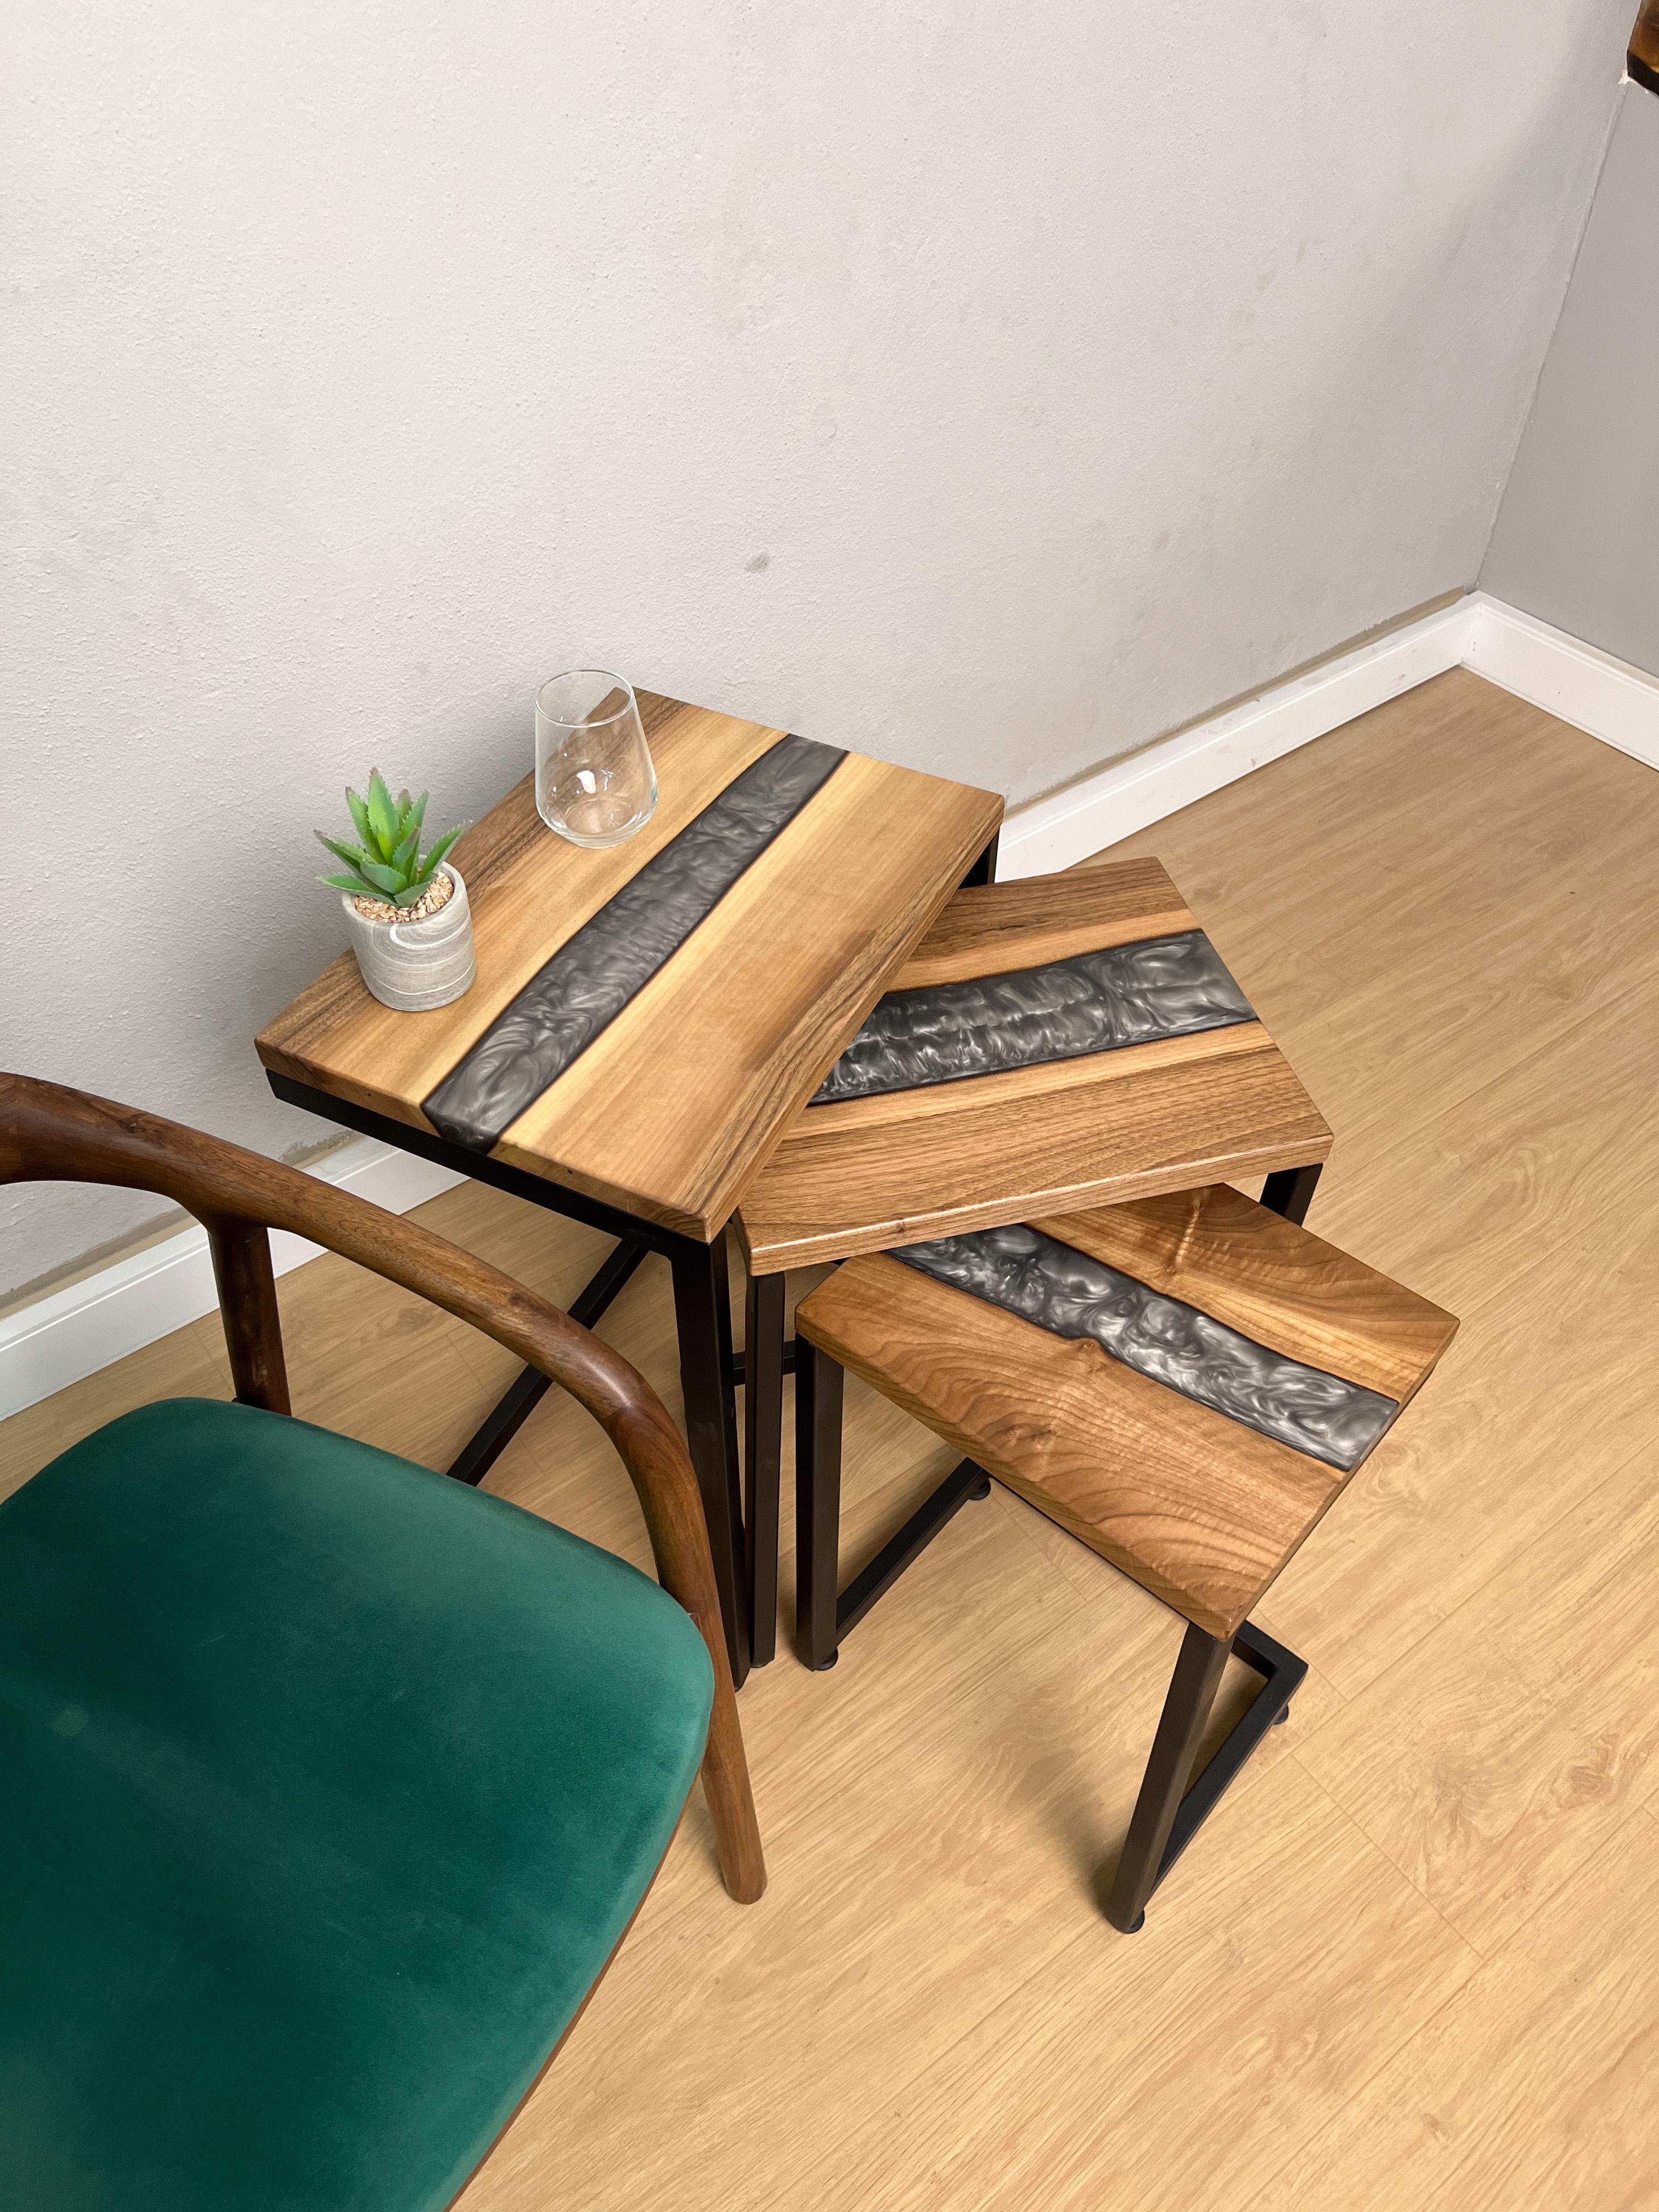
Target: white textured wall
x=991, y=388
x=1576, y=541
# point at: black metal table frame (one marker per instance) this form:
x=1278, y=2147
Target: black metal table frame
x=702, y=1314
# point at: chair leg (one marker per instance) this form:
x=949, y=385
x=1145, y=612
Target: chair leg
x=818, y=1393
x=1172, y=1807
x=762, y=1446
x=731, y=1800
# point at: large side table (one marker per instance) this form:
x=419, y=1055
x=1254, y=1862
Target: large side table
x=1057, y=1044
x=647, y=1019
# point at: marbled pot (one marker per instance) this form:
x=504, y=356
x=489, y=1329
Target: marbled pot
x=413, y=966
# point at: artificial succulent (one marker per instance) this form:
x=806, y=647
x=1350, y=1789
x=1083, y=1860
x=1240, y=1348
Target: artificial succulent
x=386, y=862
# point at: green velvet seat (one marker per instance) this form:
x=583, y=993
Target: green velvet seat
x=327, y=1787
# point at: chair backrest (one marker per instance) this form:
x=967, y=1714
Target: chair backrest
x=49, y=1133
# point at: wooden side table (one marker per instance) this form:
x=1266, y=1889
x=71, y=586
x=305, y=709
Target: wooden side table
x=1060, y=1042
x=1184, y=1383
x=648, y=1019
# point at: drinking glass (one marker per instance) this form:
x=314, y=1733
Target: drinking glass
x=594, y=781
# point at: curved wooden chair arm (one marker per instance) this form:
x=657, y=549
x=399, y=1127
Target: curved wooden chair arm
x=50, y=1133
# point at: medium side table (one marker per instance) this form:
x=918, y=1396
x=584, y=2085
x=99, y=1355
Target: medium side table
x=648, y=1019
x=1052, y=1044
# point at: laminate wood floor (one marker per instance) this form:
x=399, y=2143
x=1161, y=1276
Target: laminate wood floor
x=1413, y=1961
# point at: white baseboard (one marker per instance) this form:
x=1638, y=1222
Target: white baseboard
x=1125, y=795
x=73, y=1332
x=1575, y=682
x=1607, y=698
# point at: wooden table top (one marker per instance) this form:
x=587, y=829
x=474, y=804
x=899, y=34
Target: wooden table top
x=1198, y=1483
x=1084, y=1083
x=626, y=1037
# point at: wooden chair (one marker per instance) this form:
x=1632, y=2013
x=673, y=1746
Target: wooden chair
x=332, y=1785
x=1184, y=1382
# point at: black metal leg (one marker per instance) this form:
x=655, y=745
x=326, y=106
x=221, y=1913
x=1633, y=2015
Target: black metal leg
x=984, y=869
x=762, y=1436
x=701, y=1308
x=524, y=1393
x=818, y=1390
x=740, y=1364
x=965, y=1481
x=823, y=1617
x=702, y=1313
x=1289, y=1191
x=1172, y=1807
x=1197, y=1678
x=499, y=1426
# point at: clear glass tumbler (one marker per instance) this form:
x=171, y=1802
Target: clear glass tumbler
x=594, y=781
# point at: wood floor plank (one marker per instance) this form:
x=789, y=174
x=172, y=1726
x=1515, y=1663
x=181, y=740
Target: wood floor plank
x=1553, y=1146
x=1454, y=777
x=1533, y=2086
x=1464, y=936
x=1525, y=1420
x=396, y=1376
x=1494, y=1762
x=1026, y=2108
x=929, y=1928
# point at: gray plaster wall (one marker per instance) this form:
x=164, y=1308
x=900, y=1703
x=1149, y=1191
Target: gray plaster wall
x=991, y=389
x=1576, y=541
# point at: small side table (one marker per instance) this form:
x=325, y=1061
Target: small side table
x=1184, y=1383
x=1061, y=1042
x=647, y=1019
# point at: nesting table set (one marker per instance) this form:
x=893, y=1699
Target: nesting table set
x=797, y=1002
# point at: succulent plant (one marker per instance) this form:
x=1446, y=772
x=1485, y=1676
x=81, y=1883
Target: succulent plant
x=386, y=862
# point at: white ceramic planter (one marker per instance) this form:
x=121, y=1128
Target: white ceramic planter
x=413, y=966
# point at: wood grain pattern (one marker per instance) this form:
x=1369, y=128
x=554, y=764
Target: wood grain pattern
x=865, y=1174
x=1279, y=1283
x=673, y=1106
x=1532, y=2086
x=529, y=889
x=247, y=1284
x=671, y=1109
x=987, y=931
x=1199, y=1509
x=1525, y=1731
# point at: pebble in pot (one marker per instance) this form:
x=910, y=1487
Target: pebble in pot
x=406, y=910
